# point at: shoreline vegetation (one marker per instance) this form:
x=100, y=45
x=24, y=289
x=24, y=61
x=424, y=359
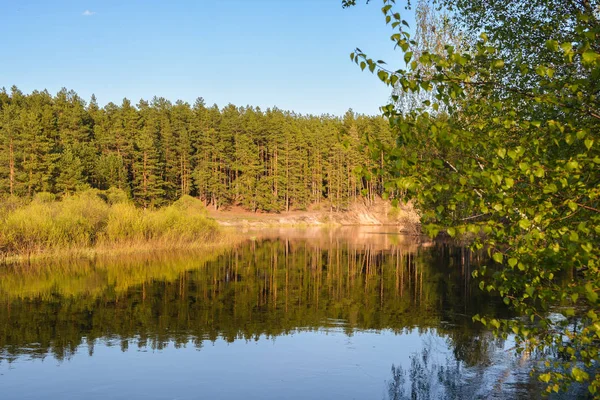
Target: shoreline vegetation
x=94, y=223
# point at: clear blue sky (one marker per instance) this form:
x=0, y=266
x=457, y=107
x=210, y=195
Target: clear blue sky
x=293, y=54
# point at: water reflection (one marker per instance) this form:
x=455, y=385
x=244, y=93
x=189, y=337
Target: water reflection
x=299, y=291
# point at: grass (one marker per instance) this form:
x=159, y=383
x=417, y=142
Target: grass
x=101, y=222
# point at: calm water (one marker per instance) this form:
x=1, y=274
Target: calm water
x=348, y=314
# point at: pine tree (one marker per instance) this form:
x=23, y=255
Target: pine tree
x=9, y=146
x=40, y=134
x=181, y=119
x=148, y=185
x=158, y=151
x=71, y=173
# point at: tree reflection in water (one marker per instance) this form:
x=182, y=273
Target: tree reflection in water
x=265, y=288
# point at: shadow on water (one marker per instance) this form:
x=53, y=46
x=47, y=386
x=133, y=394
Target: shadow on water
x=280, y=284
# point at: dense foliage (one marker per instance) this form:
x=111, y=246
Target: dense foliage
x=506, y=150
x=158, y=151
x=92, y=217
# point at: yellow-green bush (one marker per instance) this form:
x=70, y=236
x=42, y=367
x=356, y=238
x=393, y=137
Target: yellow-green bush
x=79, y=219
x=26, y=228
x=184, y=220
x=92, y=217
x=124, y=223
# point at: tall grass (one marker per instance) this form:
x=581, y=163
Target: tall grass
x=99, y=219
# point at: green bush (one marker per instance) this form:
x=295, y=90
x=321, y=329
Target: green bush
x=91, y=217
x=44, y=197
x=184, y=220
x=115, y=196
x=124, y=223
x=79, y=219
x=27, y=228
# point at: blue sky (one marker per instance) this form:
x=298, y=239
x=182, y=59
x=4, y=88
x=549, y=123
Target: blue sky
x=293, y=54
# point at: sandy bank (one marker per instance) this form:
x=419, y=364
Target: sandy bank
x=404, y=217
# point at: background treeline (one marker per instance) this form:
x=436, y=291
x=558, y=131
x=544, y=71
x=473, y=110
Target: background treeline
x=158, y=151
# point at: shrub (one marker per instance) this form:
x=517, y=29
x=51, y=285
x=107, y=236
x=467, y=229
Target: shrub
x=124, y=223
x=92, y=216
x=27, y=228
x=79, y=219
x=185, y=220
x=115, y=196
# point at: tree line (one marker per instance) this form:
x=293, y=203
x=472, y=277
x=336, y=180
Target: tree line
x=157, y=151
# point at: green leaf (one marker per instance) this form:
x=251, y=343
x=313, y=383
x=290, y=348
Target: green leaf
x=591, y=295
x=573, y=236
x=569, y=312
x=587, y=247
x=574, y=297
x=552, y=45
x=529, y=290
x=567, y=47
x=545, y=377
x=525, y=223
x=498, y=257
x=539, y=172
x=579, y=374
x=588, y=143
x=497, y=64
x=590, y=57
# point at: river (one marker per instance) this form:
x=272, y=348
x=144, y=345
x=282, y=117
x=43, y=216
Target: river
x=356, y=313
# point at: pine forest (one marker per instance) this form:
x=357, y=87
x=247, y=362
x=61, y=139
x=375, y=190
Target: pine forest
x=157, y=151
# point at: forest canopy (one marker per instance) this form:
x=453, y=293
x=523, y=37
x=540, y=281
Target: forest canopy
x=157, y=151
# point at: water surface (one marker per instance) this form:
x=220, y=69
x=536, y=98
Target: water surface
x=346, y=313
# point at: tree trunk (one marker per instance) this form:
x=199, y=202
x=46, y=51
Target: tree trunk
x=29, y=185
x=275, y=174
x=11, y=163
x=145, y=179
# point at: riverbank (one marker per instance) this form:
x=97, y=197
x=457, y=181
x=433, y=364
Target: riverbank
x=97, y=223
x=149, y=249
x=403, y=218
